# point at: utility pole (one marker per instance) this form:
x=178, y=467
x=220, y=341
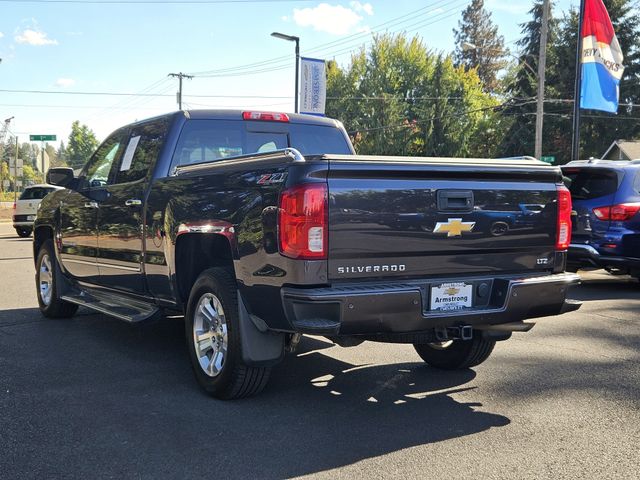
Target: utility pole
x=180, y=77
x=3, y=134
x=15, y=175
x=575, y=142
x=542, y=63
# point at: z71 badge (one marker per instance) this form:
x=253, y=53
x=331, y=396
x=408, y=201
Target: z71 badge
x=271, y=178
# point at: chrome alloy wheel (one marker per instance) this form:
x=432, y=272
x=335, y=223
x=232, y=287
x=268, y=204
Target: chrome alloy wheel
x=45, y=280
x=210, y=334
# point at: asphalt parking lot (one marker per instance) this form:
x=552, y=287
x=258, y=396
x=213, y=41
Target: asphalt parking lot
x=93, y=397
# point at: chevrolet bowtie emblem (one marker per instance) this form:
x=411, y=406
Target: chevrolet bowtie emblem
x=454, y=227
x=452, y=291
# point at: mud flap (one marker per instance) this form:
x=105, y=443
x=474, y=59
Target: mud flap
x=259, y=348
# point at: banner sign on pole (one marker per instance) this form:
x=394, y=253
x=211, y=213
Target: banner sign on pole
x=313, y=86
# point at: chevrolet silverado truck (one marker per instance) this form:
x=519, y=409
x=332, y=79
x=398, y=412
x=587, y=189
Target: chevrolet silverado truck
x=261, y=227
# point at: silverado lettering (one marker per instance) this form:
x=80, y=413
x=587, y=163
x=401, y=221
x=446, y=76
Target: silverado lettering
x=372, y=269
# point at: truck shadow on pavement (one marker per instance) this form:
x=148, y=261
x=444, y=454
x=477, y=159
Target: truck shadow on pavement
x=105, y=399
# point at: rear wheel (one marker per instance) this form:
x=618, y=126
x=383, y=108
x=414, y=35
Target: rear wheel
x=47, y=273
x=213, y=339
x=456, y=354
x=23, y=232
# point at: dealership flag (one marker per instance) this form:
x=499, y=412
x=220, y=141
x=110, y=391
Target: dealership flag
x=313, y=88
x=601, y=60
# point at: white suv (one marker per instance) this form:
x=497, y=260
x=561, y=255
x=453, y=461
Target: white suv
x=25, y=209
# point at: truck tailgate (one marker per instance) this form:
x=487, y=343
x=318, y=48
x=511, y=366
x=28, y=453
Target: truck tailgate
x=395, y=216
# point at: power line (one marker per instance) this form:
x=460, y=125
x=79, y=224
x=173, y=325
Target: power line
x=321, y=46
x=153, y=2
x=282, y=63
x=54, y=92
x=67, y=106
x=438, y=117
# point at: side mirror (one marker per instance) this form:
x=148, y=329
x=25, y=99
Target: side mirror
x=60, y=176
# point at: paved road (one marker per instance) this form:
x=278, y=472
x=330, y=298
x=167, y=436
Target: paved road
x=92, y=397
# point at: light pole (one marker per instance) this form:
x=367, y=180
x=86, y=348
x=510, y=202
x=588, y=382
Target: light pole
x=292, y=38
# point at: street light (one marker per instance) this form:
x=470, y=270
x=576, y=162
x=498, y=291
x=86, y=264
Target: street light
x=292, y=38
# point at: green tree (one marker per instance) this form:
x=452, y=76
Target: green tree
x=31, y=175
x=82, y=143
x=399, y=98
x=479, y=46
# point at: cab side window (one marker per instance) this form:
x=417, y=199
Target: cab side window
x=141, y=151
x=97, y=171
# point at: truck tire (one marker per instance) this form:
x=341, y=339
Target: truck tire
x=456, y=354
x=213, y=339
x=23, y=232
x=47, y=274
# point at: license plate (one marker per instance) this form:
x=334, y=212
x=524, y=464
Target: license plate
x=451, y=296
x=30, y=218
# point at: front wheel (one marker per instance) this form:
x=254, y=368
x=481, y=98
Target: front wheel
x=213, y=338
x=47, y=284
x=456, y=354
x=23, y=232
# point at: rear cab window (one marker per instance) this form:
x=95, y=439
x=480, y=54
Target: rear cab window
x=588, y=183
x=35, y=193
x=210, y=140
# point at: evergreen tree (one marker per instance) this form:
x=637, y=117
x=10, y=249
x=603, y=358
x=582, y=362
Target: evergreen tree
x=81, y=145
x=479, y=46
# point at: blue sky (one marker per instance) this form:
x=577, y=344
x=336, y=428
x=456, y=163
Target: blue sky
x=125, y=47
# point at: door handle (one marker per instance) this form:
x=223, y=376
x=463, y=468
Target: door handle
x=91, y=205
x=134, y=202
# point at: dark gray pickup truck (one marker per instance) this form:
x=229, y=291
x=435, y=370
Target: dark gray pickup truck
x=260, y=227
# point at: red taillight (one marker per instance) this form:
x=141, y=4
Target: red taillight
x=266, y=116
x=617, y=213
x=14, y=205
x=563, y=233
x=303, y=222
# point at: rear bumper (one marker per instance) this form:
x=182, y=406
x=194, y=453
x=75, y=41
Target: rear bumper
x=587, y=256
x=400, y=308
x=22, y=224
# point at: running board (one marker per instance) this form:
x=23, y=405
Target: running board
x=113, y=304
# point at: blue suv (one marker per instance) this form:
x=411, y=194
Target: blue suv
x=606, y=215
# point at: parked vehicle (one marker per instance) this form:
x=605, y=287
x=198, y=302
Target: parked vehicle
x=606, y=215
x=26, y=207
x=260, y=227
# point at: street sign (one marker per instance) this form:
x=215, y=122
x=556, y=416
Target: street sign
x=42, y=138
x=548, y=159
